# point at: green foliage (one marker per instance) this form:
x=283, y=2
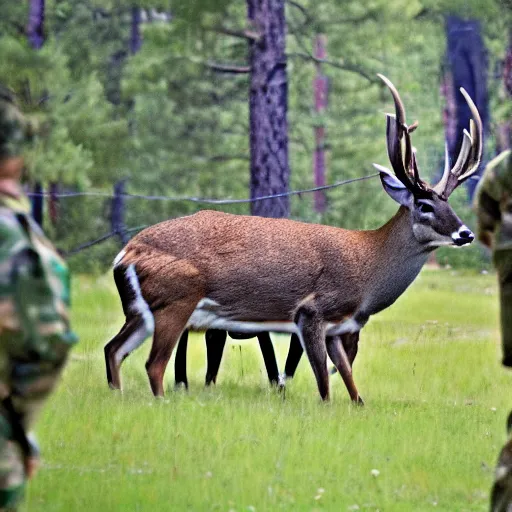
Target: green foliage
x=171, y=125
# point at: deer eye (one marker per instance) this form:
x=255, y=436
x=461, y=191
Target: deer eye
x=425, y=208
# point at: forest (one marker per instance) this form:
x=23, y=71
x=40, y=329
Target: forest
x=142, y=108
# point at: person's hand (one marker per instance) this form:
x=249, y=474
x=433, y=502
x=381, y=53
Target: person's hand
x=31, y=466
x=32, y=459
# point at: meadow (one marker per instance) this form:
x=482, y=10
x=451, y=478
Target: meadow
x=427, y=438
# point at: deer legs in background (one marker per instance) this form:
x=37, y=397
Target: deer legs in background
x=342, y=351
x=215, y=343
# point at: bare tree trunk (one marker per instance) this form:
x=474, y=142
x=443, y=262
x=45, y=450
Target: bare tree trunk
x=135, y=36
x=468, y=64
x=504, y=133
x=268, y=105
x=320, y=87
x=35, y=26
x=35, y=36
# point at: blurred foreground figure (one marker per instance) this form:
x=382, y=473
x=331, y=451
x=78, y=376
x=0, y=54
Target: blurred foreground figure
x=494, y=212
x=34, y=329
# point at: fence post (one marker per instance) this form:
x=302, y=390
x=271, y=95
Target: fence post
x=117, y=212
x=38, y=203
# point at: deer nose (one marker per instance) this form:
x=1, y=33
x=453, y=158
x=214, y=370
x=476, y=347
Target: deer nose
x=463, y=236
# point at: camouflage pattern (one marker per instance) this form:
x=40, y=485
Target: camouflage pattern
x=501, y=495
x=15, y=129
x=493, y=207
x=493, y=203
x=35, y=335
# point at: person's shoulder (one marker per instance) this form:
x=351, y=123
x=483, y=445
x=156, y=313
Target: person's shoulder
x=497, y=175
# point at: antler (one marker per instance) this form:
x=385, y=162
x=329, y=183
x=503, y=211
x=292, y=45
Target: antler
x=469, y=156
x=405, y=167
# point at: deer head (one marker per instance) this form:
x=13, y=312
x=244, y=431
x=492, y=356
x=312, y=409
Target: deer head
x=434, y=223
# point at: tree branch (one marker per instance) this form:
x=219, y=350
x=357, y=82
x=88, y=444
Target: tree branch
x=352, y=68
x=250, y=35
x=225, y=158
x=227, y=68
x=300, y=7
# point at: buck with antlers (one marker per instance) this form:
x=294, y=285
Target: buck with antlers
x=213, y=270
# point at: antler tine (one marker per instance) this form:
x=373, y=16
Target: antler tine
x=399, y=106
x=395, y=152
x=417, y=179
x=446, y=172
x=397, y=128
x=469, y=156
x=476, y=130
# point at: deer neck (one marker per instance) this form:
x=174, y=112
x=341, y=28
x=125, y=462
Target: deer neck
x=398, y=259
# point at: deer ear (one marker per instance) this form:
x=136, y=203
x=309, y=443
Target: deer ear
x=394, y=187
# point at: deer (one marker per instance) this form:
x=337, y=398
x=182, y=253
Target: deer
x=213, y=270
x=216, y=341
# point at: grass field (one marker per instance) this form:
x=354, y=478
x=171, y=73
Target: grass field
x=428, y=369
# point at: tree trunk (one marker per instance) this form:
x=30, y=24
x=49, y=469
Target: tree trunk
x=38, y=203
x=35, y=26
x=268, y=105
x=320, y=88
x=135, y=36
x=35, y=36
x=468, y=65
x=504, y=132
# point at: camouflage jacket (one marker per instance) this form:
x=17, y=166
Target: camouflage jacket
x=34, y=288
x=493, y=201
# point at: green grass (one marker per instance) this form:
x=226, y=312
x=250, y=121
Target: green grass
x=428, y=368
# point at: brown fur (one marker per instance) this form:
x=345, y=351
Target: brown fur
x=264, y=270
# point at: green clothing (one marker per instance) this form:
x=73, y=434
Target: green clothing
x=493, y=203
x=35, y=335
x=493, y=207
x=501, y=494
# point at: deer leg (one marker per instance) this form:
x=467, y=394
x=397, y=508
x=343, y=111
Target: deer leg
x=170, y=322
x=350, y=343
x=269, y=357
x=180, y=362
x=340, y=359
x=215, y=342
x=292, y=360
x=139, y=323
x=312, y=330
x=133, y=333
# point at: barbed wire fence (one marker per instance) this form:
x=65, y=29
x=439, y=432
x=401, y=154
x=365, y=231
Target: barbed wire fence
x=119, y=198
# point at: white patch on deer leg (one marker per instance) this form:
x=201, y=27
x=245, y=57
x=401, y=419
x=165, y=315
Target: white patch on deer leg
x=281, y=380
x=134, y=341
x=208, y=315
x=141, y=308
x=348, y=326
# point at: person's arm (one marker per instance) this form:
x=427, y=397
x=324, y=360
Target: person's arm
x=488, y=215
x=487, y=201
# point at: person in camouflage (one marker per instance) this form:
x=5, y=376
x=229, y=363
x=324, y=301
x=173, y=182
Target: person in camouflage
x=493, y=205
x=35, y=334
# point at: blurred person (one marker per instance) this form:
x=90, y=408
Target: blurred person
x=493, y=204
x=35, y=335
